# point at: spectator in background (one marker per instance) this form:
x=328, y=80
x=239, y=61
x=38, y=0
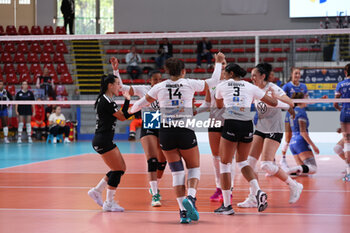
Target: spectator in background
x=57, y=125
x=203, y=52
x=68, y=11
x=274, y=79
x=45, y=82
x=24, y=112
x=165, y=51
x=4, y=96
x=38, y=120
x=133, y=59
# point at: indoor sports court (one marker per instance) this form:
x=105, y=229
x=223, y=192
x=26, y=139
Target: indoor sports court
x=116, y=116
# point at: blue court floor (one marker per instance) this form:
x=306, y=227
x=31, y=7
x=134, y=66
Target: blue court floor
x=18, y=154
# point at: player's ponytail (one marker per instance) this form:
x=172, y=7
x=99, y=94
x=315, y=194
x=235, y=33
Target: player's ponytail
x=347, y=69
x=105, y=80
x=236, y=69
x=264, y=68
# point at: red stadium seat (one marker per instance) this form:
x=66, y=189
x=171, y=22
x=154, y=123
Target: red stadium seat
x=269, y=59
x=238, y=50
x=123, y=32
x=32, y=58
x=62, y=68
x=225, y=50
x=11, y=30
x=22, y=68
x=19, y=58
x=66, y=78
x=286, y=50
x=250, y=41
x=276, y=50
x=45, y=58
x=111, y=51
x=264, y=50
x=139, y=81
x=12, y=90
x=23, y=30
x=6, y=58
x=188, y=51
x=151, y=42
x=25, y=77
x=58, y=58
x=22, y=48
x=263, y=41
x=176, y=42
x=12, y=79
x=199, y=70
x=249, y=69
x=252, y=59
x=9, y=68
x=250, y=50
x=238, y=41
x=61, y=90
x=214, y=50
x=315, y=50
x=231, y=59
x=1, y=49
x=48, y=30
x=35, y=68
x=50, y=67
x=176, y=50
x=123, y=71
x=123, y=51
x=188, y=70
x=36, y=30
x=54, y=76
x=242, y=59
x=35, y=48
x=301, y=40
x=191, y=60
x=2, y=31
x=214, y=42
x=126, y=42
x=287, y=40
x=61, y=47
x=225, y=41
x=1, y=78
x=314, y=40
x=10, y=47
x=276, y=41
x=139, y=42
x=150, y=51
x=302, y=50
x=281, y=59
x=48, y=48
x=114, y=42
x=278, y=69
x=188, y=42
x=60, y=30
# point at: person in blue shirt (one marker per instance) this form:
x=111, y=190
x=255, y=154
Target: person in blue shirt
x=343, y=91
x=300, y=143
x=293, y=86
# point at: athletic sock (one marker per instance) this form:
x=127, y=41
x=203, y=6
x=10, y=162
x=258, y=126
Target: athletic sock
x=179, y=201
x=110, y=195
x=226, y=194
x=254, y=185
x=191, y=192
x=101, y=185
x=216, y=163
x=6, y=131
x=290, y=181
x=154, y=186
x=348, y=169
x=233, y=169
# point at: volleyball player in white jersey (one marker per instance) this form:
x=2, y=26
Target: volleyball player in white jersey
x=236, y=96
x=268, y=135
x=177, y=138
x=149, y=137
x=214, y=133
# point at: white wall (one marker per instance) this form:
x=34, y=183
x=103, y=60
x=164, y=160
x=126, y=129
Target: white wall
x=200, y=15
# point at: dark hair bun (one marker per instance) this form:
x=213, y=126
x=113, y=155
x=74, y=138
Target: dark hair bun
x=236, y=69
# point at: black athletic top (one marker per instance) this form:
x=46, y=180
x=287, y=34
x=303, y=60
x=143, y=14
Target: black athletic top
x=4, y=95
x=105, y=121
x=28, y=95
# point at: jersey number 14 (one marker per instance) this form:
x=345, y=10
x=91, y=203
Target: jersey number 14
x=176, y=93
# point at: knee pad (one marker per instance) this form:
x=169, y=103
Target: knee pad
x=152, y=164
x=338, y=149
x=161, y=166
x=194, y=173
x=311, y=164
x=252, y=161
x=269, y=167
x=176, y=166
x=29, y=127
x=114, y=178
x=225, y=168
x=346, y=147
x=20, y=126
x=242, y=164
x=178, y=178
x=108, y=174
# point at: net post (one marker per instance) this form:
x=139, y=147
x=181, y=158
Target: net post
x=257, y=50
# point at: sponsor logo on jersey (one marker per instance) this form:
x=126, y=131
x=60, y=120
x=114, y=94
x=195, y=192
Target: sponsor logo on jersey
x=235, y=99
x=175, y=102
x=151, y=120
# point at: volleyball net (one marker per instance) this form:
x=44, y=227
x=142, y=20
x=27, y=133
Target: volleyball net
x=76, y=63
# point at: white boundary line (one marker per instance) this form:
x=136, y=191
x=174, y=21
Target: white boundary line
x=147, y=188
x=180, y=35
x=173, y=212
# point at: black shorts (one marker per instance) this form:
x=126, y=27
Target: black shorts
x=273, y=136
x=216, y=129
x=238, y=131
x=177, y=138
x=25, y=111
x=103, y=143
x=145, y=132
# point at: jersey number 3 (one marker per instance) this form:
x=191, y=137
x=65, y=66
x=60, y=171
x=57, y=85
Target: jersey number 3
x=236, y=91
x=176, y=93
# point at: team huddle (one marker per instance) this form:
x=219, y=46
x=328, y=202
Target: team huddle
x=228, y=99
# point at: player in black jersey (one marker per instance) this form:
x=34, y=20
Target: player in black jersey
x=24, y=112
x=107, y=112
x=5, y=96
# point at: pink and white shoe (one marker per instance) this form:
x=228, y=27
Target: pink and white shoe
x=217, y=196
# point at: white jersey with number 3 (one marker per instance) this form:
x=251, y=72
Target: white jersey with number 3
x=176, y=98
x=238, y=97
